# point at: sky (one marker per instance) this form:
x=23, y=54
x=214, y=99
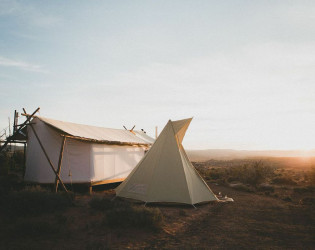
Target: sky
x=245, y=70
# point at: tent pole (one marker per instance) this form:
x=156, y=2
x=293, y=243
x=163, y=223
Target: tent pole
x=60, y=162
x=24, y=160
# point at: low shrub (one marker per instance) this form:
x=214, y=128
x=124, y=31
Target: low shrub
x=266, y=188
x=33, y=228
x=311, y=176
x=120, y=213
x=213, y=173
x=308, y=201
x=182, y=213
x=33, y=201
x=140, y=217
x=242, y=187
x=103, y=204
x=100, y=204
x=252, y=173
x=4, y=163
x=255, y=173
x=301, y=190
x=10, y=182
x=283, y=181
x=287, y=198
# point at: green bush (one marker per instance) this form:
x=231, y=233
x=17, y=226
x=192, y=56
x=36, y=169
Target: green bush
x=33, y=201
x=140, y=217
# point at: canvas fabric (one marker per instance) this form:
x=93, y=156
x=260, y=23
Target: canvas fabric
x=99, y=133
x=165, y=174
x=83, y=161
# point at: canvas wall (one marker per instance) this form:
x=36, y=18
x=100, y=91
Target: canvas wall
x=83, y=162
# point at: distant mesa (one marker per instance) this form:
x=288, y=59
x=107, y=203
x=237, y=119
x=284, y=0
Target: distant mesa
x=229, y=154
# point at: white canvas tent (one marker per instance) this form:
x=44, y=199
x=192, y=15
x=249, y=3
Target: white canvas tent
x=91, y=155
x=165, y=174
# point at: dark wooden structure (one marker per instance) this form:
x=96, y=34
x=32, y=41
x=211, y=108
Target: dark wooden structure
x=19, y=136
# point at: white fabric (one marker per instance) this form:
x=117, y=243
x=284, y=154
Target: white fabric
x=113, y=162
x=165, y=174
x=98, y=133
x=86, y=162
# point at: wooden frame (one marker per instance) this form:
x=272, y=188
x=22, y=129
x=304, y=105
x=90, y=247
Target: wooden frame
x=60, y=162
x=48, y=159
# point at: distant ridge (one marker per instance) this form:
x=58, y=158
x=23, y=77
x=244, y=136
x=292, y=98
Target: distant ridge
x=228, y=154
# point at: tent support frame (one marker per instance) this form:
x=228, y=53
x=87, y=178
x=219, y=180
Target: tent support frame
x=17, y=131
x=49, y=161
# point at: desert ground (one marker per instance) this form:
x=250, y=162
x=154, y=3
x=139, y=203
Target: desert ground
x=273, y=208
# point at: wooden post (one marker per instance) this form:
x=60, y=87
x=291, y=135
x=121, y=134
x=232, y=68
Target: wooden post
x=47, y=157
x=24, y=160
x=49, y=161
x=60, y=162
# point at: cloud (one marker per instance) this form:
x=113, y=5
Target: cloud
x=6, y=62
x=27, y=14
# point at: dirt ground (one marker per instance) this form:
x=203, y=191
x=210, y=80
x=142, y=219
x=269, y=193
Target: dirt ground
x=252, y=221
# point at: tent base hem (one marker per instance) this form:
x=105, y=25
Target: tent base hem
x=165, y=203
x=92, y=183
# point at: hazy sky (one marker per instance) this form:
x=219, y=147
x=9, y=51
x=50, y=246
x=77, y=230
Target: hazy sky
x=245, y=70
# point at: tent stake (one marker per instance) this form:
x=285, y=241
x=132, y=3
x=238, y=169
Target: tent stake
x=194, y=206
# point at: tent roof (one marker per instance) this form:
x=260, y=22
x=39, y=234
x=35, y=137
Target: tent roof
x=99, y=134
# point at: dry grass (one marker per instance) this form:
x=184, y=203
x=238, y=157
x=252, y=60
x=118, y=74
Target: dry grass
x=122, y=214
x=270, y=216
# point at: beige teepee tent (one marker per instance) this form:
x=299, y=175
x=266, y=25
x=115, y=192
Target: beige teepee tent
x=165, y=173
